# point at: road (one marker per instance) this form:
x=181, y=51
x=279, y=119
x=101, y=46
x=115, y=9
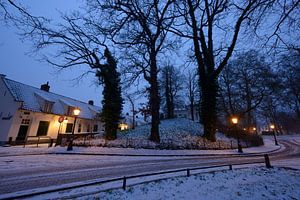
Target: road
x=20, y=173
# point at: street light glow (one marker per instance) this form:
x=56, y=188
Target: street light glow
x=76, y=111
x=66, y=120
x=234, y=120
x=272, y=126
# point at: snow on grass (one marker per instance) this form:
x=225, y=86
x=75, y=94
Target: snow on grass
x=177, y=133
x=169, y=129
x=251, y=183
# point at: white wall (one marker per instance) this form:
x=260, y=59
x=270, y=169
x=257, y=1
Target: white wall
x=35, y=119
x=8, y=107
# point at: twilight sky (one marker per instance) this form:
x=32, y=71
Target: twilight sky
x=17, y=65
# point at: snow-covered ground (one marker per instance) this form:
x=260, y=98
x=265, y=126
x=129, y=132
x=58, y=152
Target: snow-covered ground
x=251, y=183
x=13, y=164
x=177, y=133
x=244, y=183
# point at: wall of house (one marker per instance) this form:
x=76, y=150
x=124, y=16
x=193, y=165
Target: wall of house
x=8, y=108
x=54, y=125
x=186, y=114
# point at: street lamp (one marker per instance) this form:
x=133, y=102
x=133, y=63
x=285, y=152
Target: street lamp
x=235, y=121
x=272, y=127
x=76, y=112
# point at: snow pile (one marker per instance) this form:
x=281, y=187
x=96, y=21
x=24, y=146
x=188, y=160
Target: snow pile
x=175, y=134
x=252, y=183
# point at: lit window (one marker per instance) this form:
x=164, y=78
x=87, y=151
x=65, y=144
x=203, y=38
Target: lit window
x=123, y=127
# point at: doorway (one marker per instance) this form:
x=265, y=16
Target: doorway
x=23, y=130
x=22, y=133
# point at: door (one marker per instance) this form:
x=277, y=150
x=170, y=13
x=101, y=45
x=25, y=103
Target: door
x=22, y=133
x=23, y=130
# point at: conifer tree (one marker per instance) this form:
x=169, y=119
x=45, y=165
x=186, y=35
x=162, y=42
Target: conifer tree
x=112, y=98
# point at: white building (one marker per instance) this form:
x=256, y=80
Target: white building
x=30, y=111
x=186, y=113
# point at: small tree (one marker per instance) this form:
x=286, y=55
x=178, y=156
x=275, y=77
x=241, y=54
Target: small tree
x=132, y=98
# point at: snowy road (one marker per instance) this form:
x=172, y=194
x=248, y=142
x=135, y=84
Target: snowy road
x=20, y=173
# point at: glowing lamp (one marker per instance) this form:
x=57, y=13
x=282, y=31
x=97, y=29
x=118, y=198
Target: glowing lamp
x=66, y=120
x=272, y=126
x=254, y=129
x=76, y=111
x=234, y=120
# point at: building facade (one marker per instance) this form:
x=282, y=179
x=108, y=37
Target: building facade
x=30, y=111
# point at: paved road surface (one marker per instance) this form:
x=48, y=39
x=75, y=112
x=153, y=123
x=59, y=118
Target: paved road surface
x=37, y=171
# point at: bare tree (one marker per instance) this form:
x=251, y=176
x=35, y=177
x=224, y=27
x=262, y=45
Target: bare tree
x=132, y=97
x=171, y=86
x=289, y=69
x=76, y=45
x=192, y=90
x=283, y=16
x=204, y=21
x=244, y=83
x=139, y=27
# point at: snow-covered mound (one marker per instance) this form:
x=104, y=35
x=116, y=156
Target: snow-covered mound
x=168, y=129
x=174, y=134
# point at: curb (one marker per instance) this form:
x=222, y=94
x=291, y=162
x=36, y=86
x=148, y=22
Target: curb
x=167, y=155
x=146, y=155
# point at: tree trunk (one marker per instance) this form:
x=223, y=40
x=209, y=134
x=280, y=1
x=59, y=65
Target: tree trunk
x=192, y=109
x=209, y=90
x=167, y=94
x=154, y=100
x=133, y=116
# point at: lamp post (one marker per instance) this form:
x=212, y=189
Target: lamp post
x=234, y=121
x=76, y=112
x=272, y=127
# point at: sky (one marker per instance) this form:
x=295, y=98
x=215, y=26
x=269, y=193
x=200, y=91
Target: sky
x=18, y=65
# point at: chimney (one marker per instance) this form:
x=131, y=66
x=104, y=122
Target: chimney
x=2, y=75
x=91, y=102
x=45, y=87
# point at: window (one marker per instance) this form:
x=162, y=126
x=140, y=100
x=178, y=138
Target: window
x=79, y=128
x=95, y=128
x=88, y=128
x=43, y=128
x=48, y=107
x=69, y=128
x=25, y=121
x=70, y=111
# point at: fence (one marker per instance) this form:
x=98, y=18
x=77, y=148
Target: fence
x=188, y=170
x=125, y=178
x=63, y=138
x=38, y=140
